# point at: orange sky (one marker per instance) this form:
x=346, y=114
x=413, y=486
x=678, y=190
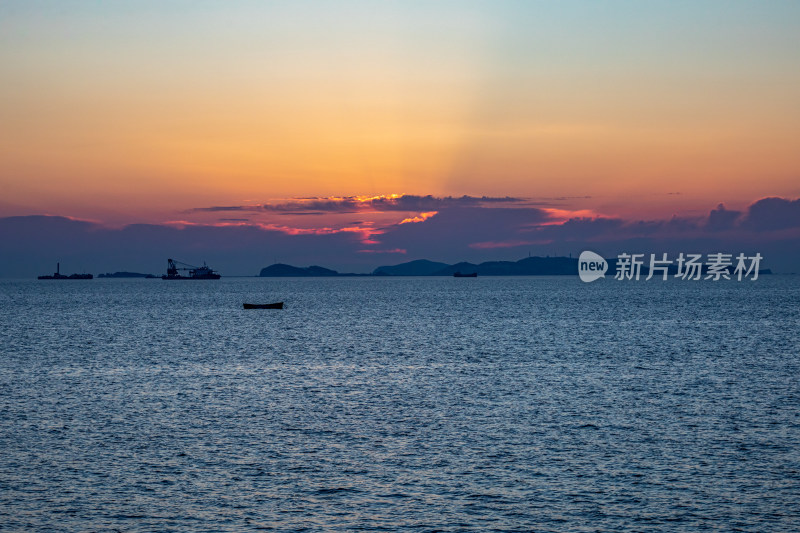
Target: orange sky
x=126, y=115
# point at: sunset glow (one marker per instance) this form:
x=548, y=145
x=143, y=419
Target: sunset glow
x=151, y=113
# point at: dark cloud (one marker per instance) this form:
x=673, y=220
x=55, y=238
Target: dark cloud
x=216, y=208
x=353, y=204
x=678, y=224
x=345, y=205
x=722, y=219
x=564, y=198
x=455, y=229
x=482, y=231
x=773, y=214
x=432, y=203
x=32, y=245
x=587, y=228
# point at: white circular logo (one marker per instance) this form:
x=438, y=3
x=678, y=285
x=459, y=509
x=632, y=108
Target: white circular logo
x=591, y=266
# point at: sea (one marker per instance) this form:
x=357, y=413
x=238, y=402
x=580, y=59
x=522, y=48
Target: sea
x=400, y=404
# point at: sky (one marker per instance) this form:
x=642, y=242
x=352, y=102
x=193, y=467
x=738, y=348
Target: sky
x=311, y=118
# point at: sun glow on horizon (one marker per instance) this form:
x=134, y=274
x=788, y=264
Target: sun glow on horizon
x=126, y=114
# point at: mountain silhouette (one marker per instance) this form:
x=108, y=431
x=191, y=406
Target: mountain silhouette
x=530, y=266
x=420, y=267
x=280, y=270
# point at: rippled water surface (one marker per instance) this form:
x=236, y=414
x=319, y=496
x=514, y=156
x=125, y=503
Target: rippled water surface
x=429, y=404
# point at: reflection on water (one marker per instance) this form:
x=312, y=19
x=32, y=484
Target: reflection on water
x=390, y=404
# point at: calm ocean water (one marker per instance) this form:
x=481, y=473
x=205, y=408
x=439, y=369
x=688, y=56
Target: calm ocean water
x=430, y=404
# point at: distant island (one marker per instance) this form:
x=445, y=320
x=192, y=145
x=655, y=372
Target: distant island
x=126, y=275
x=529, y=266
x=280, y=270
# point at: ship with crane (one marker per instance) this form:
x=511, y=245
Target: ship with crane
x=194, y=272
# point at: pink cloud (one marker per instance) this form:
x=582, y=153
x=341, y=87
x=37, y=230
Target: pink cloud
x=365, y=232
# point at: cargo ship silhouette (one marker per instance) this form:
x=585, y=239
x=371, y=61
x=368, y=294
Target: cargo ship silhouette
x=195, y=272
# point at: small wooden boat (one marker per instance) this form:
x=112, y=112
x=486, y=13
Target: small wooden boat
x=276, y=305
x=460, y=275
